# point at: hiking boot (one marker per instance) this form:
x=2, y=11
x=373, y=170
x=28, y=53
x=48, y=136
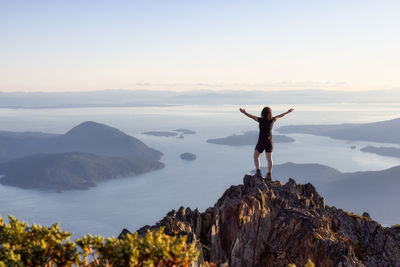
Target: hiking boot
x=258, y=174
x=268, y=177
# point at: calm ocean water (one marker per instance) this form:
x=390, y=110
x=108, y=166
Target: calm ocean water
x=136, y=201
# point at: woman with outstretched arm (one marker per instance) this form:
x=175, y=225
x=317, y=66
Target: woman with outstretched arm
x=265, y=123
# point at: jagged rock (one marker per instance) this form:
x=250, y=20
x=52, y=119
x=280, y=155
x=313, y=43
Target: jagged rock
x=124, y=233
x=259, y=224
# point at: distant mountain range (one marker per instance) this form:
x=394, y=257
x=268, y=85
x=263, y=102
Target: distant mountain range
x=65, y=171
x=247, y=139
x=304, y=172
x=382, y=131
x=126, y=98
x=88, y=153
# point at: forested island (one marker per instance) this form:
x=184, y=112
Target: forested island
x=185, y=131
x=72, y=170
x=161, y=133
x=90, y=152
x=247, y=139
x=188, y=156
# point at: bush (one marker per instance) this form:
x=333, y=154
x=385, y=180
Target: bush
x=356, y=216
x=36, y=245
x=309, y=263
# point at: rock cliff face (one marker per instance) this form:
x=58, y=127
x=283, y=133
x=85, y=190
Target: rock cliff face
x=270, y=224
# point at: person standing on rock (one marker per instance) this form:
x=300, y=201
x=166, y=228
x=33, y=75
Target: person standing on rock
x=265, y=123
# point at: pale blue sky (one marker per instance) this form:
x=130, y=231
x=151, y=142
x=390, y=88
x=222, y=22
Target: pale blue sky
x=208, y=44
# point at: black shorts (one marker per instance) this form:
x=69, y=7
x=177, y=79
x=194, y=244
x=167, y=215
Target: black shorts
x=266, y=144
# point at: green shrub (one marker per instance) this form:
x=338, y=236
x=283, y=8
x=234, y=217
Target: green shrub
x=36, y=245
x=309, y=263
x=396, y=226
x=356, y=216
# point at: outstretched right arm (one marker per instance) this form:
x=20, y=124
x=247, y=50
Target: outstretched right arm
x=248, y=114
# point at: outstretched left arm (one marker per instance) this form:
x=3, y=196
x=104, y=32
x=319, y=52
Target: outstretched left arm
x=285, y=113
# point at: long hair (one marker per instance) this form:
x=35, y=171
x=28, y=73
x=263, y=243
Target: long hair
x=266, y=113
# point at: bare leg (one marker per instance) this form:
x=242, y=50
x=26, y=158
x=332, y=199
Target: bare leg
x=268, y=155
x=256, y=159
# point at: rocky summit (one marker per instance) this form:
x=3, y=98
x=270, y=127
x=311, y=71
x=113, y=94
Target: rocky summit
x=270, y=224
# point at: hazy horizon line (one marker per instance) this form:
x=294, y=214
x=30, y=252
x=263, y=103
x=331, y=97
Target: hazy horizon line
x=213, y=90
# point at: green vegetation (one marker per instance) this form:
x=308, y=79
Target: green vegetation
x=36, y=245
x=309, y=263
x=356, y=216
x=72, y=170
x=396, y=226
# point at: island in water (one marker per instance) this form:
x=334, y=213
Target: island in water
x=87, y=137
x=90, y=152
x=383, y=151
x=188, y=156
x=185, y=131
x=176, y=132
x=382, y=131
x=72, y=170
x=161, y=133
x=246, y=139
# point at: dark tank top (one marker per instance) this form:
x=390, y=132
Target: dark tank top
x=265, y=126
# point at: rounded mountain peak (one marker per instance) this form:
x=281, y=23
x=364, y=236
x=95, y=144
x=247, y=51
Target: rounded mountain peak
x=98, y=138
x=93, y=128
